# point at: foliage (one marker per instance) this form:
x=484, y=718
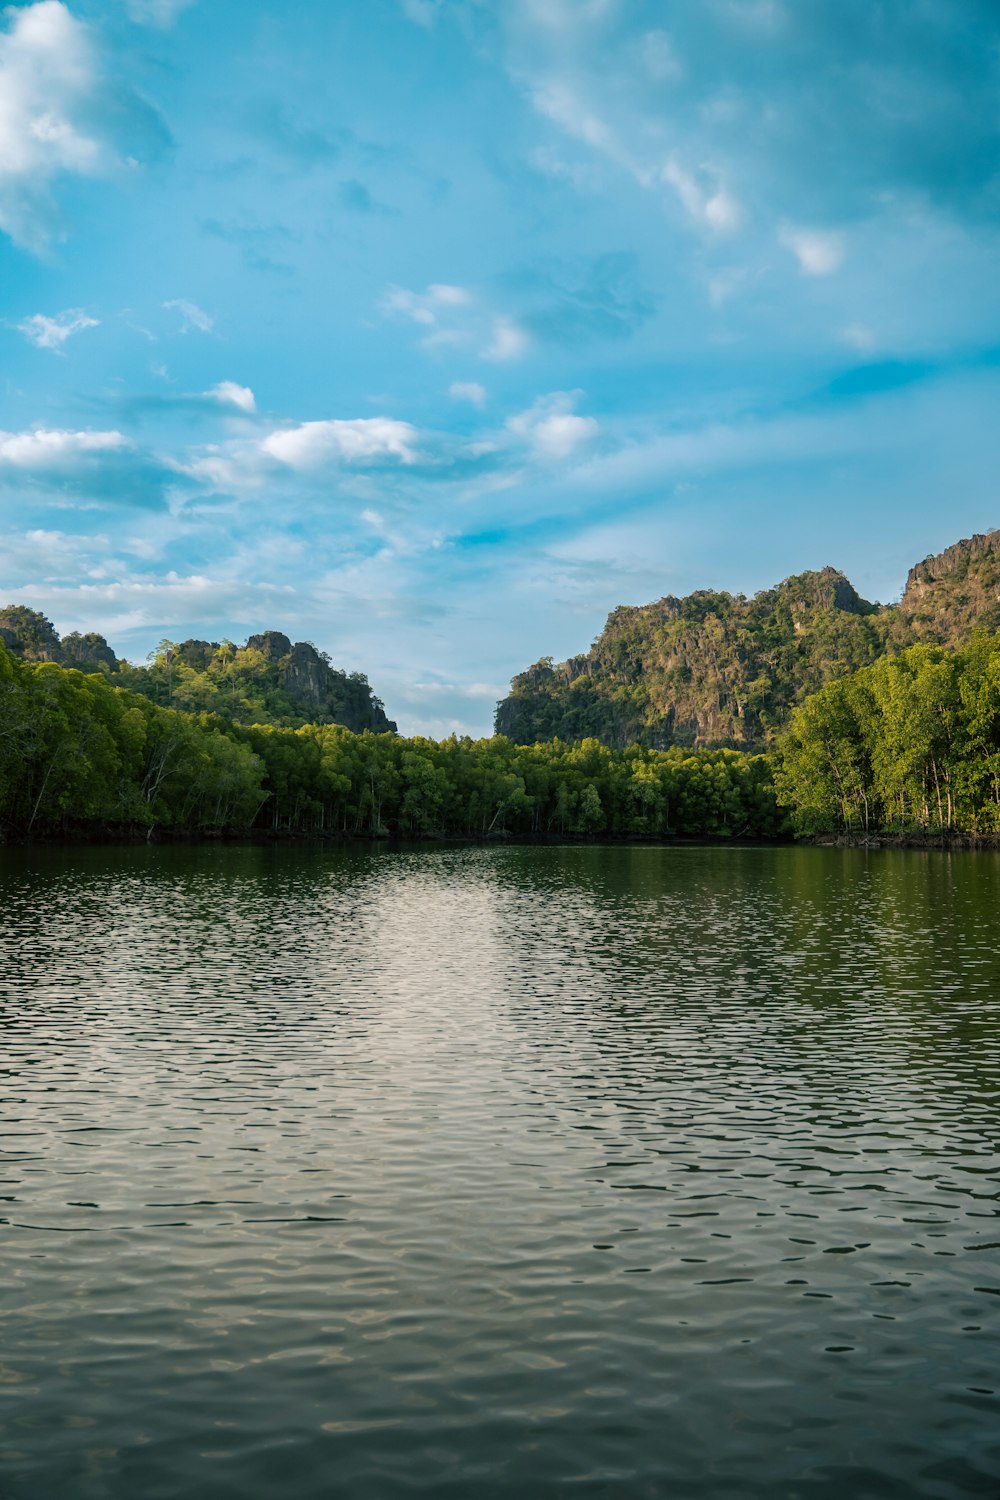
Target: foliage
x=911, y=742
x=720, y=669
x=712, y=668
x=76, y=750
x=267, y=681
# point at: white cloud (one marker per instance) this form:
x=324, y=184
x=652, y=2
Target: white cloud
x=311, y=445
x=706, y=200
x=426, y=307
x=228, y=393
x=192, y=316
x=48, y=82
x=508, y=341
x=452, y=315
x=551, y=428
x=46, y=448
x=819, y=252
x=468, y=390
x=52, y=333
x=563, y=106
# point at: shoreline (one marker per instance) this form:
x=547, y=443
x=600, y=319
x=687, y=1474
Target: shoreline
x=105, y=836
x=949, y=842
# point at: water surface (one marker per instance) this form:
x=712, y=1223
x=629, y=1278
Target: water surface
x=517, y=1172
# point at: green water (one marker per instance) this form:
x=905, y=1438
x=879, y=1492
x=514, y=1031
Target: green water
x=518, y=1172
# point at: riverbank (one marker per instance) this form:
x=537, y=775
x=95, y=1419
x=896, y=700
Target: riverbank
x=950, y=841
x=112, y=834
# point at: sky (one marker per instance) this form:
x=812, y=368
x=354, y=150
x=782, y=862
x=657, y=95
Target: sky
x=432, y=330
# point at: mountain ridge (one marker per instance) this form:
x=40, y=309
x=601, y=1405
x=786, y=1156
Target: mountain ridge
x=714, y=669
x=268, y=680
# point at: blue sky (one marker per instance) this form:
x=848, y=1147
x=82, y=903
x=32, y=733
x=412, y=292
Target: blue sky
x=431, y=330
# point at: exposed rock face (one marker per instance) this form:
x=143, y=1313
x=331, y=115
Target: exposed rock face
x=287, y=683
x=721, y=669
x=320, y=690
x=89, y=653
x=197, y=654
x=270, y=643
x=28, y=634
x=307, y=675
x=955, y=592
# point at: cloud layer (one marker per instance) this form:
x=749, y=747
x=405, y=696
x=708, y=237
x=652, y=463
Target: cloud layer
x=435, y=338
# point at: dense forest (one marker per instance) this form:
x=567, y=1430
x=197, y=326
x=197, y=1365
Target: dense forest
x=866, y=734
x=911, y=742
x=77, y=752
x=717, y=669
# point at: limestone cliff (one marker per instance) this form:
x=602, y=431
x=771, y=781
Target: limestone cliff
x=718, y=669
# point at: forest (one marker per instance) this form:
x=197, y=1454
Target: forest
x=78, y=752
x=911, y=742
x=267, y=680
x=909, y=745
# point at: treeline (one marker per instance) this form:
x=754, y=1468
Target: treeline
x=321, y=778
x=911, y=743
x=76, y=751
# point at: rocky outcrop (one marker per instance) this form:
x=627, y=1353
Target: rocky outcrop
x=269, y=680
x=28, y=634
x=716, y=669
x=88, y=653
x=956, y=591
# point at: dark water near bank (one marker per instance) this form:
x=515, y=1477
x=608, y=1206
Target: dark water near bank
x=518, y=1172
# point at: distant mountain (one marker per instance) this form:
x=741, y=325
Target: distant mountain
x=269, y=680
x=718, y=669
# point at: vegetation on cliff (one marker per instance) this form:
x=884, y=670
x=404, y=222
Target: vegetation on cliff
x=267, y=681
x=214, y=737
x=716, y=669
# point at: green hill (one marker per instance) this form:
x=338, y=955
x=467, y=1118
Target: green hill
x=269, y=680
x=719, y=669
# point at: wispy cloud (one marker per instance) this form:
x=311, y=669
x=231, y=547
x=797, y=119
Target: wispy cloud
x=59, y=117
x=51, y=333
x=456, y=316
x=704, y=197
x=228, y=393
x=507, y=341
x=427, y=307
x=468, y=390
x=818, y=252
x=159, y=13
x=192, y=316
x=552, y=429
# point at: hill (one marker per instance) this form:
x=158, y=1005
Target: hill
x=269, y=680
x=719, y=669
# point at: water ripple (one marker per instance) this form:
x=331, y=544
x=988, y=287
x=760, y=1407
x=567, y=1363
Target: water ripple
x=499, y=1172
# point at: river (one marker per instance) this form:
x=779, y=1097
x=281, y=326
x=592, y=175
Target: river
x=510, y=1172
